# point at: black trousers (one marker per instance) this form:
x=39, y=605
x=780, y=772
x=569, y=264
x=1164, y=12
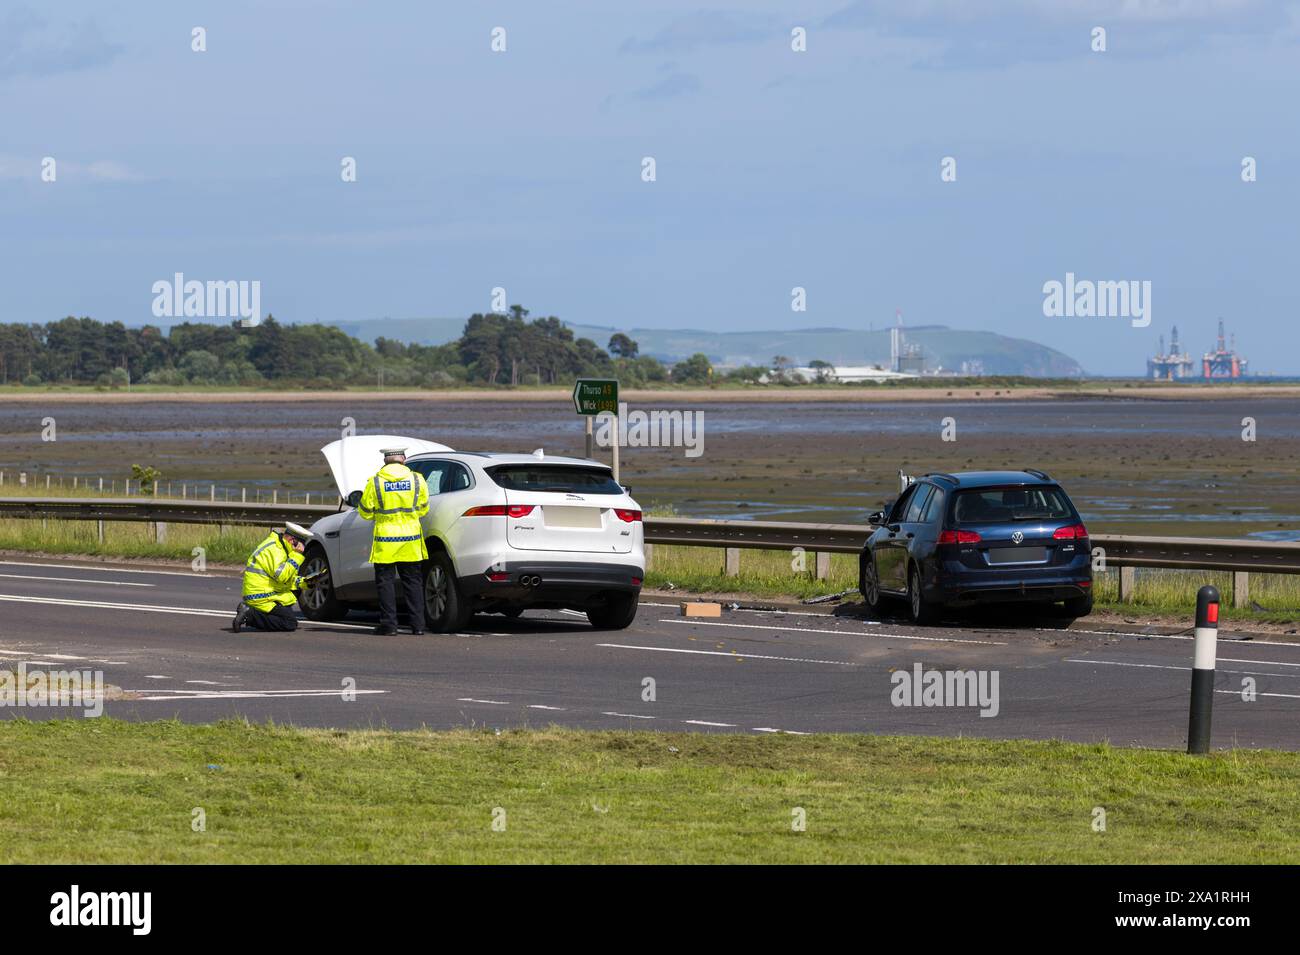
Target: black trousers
x=279, y=619
x=412, y=574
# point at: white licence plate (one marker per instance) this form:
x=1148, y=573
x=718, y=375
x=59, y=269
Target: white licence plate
x=583, y=518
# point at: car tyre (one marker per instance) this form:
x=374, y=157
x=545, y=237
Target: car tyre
x=869, y=583
x=319, y=602
x=924, y=611
x=617, y=613
x=1077, y=606
x=445, y=607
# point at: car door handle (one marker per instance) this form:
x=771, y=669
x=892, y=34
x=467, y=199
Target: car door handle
x=910, y=535
x=331, y=533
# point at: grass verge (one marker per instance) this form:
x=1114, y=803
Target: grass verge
x=96, y=791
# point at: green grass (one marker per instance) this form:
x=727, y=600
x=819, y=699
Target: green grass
x=98, y=791
x=129, y=539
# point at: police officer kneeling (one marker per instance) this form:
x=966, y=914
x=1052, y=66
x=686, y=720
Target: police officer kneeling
x=395, y=499
x=271, y=581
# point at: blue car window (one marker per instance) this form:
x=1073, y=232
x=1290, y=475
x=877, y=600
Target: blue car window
x=917, y=505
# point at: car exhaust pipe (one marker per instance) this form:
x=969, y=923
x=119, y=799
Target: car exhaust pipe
x=532, y=581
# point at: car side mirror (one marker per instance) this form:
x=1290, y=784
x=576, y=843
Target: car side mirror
x=876, y=519
x=354, y=499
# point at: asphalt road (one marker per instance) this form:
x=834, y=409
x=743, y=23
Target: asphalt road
x=165, y=638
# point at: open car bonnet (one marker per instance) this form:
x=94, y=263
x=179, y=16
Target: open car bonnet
x=354, y=460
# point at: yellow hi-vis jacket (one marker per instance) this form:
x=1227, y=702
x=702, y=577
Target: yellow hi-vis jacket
x=395, y=499
x=271, y=574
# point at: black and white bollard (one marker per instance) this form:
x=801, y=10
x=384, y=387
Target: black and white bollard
x=1207, y=638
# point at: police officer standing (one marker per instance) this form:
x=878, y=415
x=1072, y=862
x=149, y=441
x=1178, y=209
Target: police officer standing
x=395, y=499
x=271, y=581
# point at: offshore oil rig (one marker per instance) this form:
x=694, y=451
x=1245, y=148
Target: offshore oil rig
x=1222, y=362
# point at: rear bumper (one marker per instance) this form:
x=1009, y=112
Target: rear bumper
x=547, y=583
x=959, y=585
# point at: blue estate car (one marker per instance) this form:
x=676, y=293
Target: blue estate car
x=955, y=540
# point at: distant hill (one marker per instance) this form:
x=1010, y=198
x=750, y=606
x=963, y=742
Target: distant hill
x=943, y=347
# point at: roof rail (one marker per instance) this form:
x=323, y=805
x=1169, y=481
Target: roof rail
x=1037, y=473
x=943, y=476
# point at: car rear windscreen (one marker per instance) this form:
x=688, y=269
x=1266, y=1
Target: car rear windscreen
x=565, y=479
x=1001, y=504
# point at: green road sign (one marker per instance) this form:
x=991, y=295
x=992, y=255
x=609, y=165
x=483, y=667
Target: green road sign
x=592, y=396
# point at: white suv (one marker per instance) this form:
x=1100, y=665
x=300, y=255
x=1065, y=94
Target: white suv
x=505, y=532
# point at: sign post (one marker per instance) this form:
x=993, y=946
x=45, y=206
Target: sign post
x=596, y=396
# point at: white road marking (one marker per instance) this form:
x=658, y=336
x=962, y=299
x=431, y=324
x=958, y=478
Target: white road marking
x=157, y=676
x=719, y=653
x=789, y=613
x=1171, y=636
x=209, y=683
x=101, y=605
x=707, y=723
x=630, y=716
x=112, y=570
x=539, y=706
x=838, y=633
x=573, y=613
x=467, y=699
x=1164, y=666
x=1287, y=696
x=78, y=580
x=176, y=695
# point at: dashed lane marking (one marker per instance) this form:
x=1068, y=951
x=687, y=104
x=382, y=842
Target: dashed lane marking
x=838, y=633
x=176, y=695
x=78, y=580
x=112, y=570
x=630, y=716
x=468, y=699
x=738, y=655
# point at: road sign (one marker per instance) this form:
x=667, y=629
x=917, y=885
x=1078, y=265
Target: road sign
x=593, y=396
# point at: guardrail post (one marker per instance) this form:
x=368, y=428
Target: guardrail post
x=823, y=565
x=1240, y=588
x=100, y=530
x=212, y=493
x=1207, y=636
x=243, y=495
x=1127, y=582
x=160, y=532
x=649, y=550
x=731, y=561
x=224, y=530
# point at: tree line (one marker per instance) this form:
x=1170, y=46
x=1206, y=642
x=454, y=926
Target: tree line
x=494, y=349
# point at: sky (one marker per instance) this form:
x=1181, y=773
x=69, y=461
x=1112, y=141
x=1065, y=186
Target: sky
x=774, y=168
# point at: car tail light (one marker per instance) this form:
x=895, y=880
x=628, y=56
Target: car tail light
x=500, y=510
x=1073, y=532
x=636, y=581
x=959, y=537
x=1085, y=583
x=627, y=515
x=498, y=576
